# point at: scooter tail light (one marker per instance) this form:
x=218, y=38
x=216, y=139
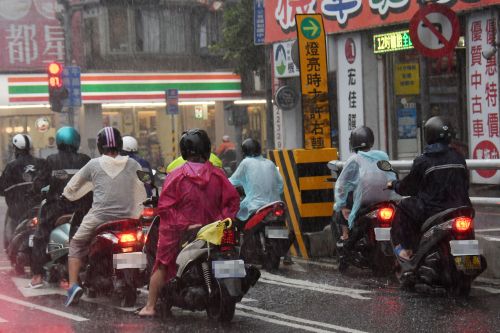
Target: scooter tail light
x=148, y=212
x=386, y=214
x=228, y=240
x=127, y=238
x=462, y=224
x=34, y=222
x=279, y=211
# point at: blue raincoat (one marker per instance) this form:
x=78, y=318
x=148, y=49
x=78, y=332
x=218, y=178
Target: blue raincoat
x=361, y=176
x=261, y=181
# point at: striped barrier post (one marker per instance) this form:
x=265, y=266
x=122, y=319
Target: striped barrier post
x=307, y=192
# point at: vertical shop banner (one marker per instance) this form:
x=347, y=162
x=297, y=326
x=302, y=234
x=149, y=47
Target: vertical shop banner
x=314, y=82
x=259, y=22
x=31, y=36
x=350, y=89
x=283, y=62
x=483, y=97
x=278, y=127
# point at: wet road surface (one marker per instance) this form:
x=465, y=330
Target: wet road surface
x=303, y=297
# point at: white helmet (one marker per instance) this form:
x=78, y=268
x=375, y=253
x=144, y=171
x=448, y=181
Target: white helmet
x=22, y=141
x=130, y=144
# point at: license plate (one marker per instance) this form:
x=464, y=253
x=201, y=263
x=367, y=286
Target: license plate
x=468, y=247
x=468, y=263
x=382, y=234
x=130, y=260
x=228, y=269
x=276, y=232
x=30, y=240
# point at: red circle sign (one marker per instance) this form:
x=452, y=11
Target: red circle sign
x=486, y=150
x=434, y=30
x=350, y=50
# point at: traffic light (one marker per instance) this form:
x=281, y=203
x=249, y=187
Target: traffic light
x=57, y=92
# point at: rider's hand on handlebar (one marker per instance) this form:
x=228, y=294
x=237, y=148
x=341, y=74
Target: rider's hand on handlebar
x=390, y=186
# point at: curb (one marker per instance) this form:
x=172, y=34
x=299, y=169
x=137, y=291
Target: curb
x=490, y=246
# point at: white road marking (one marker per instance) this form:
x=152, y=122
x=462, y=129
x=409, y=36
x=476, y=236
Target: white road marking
x=42, y=308
x=493, y=239
x=488, y=289
x=289, y=318
x=487, y=230
x=304, y=284
x=315, y=263
x=246, y=299
x=2, y=320
x=5, y=268
x=281, y=322
x=29, y=292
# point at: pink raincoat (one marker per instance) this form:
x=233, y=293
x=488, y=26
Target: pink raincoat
x=194, y=193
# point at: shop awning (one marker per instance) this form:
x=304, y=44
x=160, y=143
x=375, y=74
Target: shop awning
x=126, y=87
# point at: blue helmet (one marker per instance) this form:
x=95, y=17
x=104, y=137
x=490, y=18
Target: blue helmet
x=67, y=138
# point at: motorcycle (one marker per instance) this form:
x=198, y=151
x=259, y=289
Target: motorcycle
x=211, y=276
x=264, y=237
x=116, y=263
x=368, y=245
x=448, y=258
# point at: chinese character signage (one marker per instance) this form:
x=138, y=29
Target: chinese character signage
x=349, y=15
x=72, y=82
x=259, y=22
x=350, y=92
x=392, y=41
x=31, y=36
x=283, y=63
x=483, y=97
x=314, y=82
x=407, y=79
x=407, y=123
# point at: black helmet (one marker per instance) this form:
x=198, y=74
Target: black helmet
x=437, y=129
x=195, y=142
x=109, y=139
x=68, y=138
x=251, y=148
x=361, y=138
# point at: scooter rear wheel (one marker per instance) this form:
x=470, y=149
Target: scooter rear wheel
x=221, y=306
x=128, y=297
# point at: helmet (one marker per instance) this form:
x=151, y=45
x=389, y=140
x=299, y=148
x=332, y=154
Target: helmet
x=195, y=142
x=361, y=138
x=437, y=129
x=251, y=148
x=67, y=138
x=109, y=139
x=225, y=138
x=130, y=144
x=22, y=142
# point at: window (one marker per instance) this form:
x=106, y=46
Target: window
x=118, y=28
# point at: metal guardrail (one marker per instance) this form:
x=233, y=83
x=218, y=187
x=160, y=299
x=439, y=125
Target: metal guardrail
x=401, y=165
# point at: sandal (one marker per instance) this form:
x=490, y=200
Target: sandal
x=34, y=286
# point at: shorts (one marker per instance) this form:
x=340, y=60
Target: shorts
x=79, y=244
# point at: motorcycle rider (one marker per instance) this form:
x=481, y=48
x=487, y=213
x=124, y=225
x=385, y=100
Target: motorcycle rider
x=18, y=185
x=259, y=178
x=360, y=183
x=61, y=167
x=193, y=195
x=117, y=194
x=438, y=180
x=179, y=161
x=130, y=149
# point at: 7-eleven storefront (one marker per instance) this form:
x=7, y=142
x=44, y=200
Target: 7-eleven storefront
x=134, y=103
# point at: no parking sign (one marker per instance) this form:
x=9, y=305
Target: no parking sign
x=434, y=30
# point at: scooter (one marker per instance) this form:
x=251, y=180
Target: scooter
x=116, y=263
x=211, y=276
x=264, y=237
x=448, y=258
x=19, y=250
x=368, y=245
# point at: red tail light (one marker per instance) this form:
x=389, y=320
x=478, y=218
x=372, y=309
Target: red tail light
x=462, y=224
x=148, y=212
x=127, y=238
x=279, y=211
x=34, y=222
x=386, y=214
x=228, y=240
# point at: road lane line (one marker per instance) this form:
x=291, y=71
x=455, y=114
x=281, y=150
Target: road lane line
x=488, y=289
x=280, y=322
x=278, y=279
x=42, y=308
x=297, y=319
x=2, y=320
x=486, y=230
x=315, y=263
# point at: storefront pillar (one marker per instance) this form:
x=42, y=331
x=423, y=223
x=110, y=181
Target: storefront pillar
x=90, y=122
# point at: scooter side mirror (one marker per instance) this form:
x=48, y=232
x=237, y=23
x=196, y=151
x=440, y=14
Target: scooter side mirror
x=385, y=166
x=144, y=177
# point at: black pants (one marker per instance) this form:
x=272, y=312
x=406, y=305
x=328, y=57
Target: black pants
x=49, y=213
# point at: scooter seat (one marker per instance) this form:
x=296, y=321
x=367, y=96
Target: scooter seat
x=118, y=225
x=445, y=215
x=63, y=219
x=268, y=205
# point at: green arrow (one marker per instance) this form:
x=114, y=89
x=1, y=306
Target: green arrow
x=310, y=28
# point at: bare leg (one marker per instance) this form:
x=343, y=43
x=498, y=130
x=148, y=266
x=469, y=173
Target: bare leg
x=155, y=284
x=74, y=265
